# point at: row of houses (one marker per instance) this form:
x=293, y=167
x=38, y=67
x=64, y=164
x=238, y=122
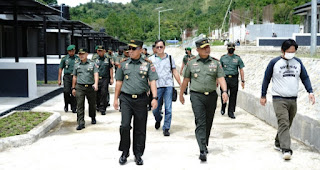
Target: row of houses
x=31, y=29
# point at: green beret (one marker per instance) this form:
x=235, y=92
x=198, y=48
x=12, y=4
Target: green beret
x=71, y=47
x=136, y=43
x=202, y=43
x=82, y=50
x=100, y=47
x=188, y=48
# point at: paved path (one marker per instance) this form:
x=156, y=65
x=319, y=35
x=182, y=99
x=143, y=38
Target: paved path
x=244, y=143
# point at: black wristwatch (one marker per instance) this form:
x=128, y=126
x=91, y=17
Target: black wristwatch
x=156, y=98
x=73, y=88
x=243, y=81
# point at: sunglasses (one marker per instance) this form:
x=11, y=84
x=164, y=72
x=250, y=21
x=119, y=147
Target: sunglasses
x=159, y=47
x=133, y=48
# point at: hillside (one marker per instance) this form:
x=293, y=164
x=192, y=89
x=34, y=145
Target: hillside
x=139, y=19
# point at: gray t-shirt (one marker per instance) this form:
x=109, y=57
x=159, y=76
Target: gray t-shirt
x=163, y=70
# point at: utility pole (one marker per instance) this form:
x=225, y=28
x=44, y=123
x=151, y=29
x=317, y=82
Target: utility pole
x=314, y=24
x=159, y=18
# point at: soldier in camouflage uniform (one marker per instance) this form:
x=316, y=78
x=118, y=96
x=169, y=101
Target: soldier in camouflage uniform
x=85, y=84
x=204, y=71
x=133, y=77
x=67, y=64
x=104, y=65
x=231, y=63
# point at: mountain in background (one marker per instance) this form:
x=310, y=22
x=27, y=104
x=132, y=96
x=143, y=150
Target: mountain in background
x=139, y=19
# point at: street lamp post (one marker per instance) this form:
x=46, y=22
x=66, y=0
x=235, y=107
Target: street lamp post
x=159, y=18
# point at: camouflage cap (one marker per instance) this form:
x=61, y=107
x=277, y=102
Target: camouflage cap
x=202, y=43
x=135, y=43
x=71, y=47
x=82, y=50
x=231, y=45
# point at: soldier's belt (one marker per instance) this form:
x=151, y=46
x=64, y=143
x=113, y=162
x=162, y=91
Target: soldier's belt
x=230, y=76
x=103, y=77
x=205, y=93
x=86, y=85
x=134, y=96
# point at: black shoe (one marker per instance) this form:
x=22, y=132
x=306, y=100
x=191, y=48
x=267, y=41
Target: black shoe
x=80, y=127
x=203, y=156
x=231, y=115
x=138, y=160
x=97, y=109
x=93, y=121
x=207, y=151
x=65, y=108
x=123, y=158
x=108, y=104
x=149, y=108
x=166, y=132
x=222, y=112
x=103, y=112
x=74, y=110
x=157, y=125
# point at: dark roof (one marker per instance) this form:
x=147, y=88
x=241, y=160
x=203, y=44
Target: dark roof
x=301, y=10
x=52, y=21
x=26, y=7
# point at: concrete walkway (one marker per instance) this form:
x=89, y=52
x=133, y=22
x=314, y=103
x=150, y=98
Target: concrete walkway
x=244, y=143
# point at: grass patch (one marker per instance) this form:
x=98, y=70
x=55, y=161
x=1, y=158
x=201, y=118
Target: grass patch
x=20, y=123
x=217, y=43
x=49, y=82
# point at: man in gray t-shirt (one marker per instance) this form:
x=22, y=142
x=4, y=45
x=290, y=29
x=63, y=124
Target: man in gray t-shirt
x=165, y=85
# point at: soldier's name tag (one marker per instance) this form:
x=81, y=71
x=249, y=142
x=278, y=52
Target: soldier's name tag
x=212, y=65
x=235, y=60
x=90, y=68
x=143, y=68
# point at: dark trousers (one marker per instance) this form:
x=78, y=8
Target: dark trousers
x=204, y=107
x=67, y=92
x=285, y=110
x=232, y=88
x=102, y=94
x=136, y=108
x=81, y=93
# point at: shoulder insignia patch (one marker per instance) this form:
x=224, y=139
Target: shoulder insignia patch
x=123, y=60
x=192, y=58
x=147, y=60
x=215, y=59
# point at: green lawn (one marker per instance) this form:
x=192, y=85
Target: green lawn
x=20, y=123
x=49, y=82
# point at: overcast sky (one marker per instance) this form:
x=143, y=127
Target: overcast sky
x=73, y=3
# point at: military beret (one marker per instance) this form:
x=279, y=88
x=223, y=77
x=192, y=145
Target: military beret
x=100, y=47
x=188, y=48
x=231, y=45
x=202, y=43
x=82, y=50
x=71, y=47
x=135, y=43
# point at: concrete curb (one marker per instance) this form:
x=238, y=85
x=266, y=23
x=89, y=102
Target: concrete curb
x=32, y=136
x=304, y=128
